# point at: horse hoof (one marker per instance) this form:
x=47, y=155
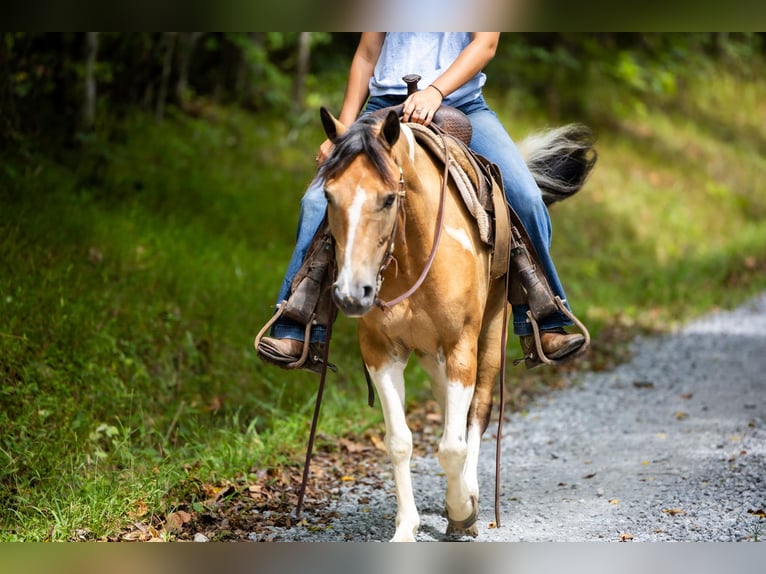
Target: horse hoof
x=455, y=532
x=468, y=526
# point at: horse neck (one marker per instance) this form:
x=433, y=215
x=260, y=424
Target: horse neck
x=421, y=205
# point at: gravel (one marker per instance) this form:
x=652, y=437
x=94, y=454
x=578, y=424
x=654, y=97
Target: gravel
x=670, y=446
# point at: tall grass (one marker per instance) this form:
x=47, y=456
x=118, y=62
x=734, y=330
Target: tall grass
x=136, y=269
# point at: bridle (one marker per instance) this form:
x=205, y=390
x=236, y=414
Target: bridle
x=401, y=196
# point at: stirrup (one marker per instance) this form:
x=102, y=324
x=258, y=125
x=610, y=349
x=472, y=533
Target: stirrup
x=310, y=361
x=538, y=356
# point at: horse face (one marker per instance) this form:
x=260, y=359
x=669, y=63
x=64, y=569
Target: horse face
x=362, y=213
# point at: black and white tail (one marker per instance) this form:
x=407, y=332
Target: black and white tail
x=560, y=159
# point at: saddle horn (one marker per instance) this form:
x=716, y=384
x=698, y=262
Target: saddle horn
x=412, y=83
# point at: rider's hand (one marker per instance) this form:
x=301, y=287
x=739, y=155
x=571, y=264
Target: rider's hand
x=421, y=106
x=324, y=151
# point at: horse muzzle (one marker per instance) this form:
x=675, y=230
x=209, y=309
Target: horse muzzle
x=354, y=300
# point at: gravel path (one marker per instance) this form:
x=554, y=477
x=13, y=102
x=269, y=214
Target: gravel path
x=669, y=446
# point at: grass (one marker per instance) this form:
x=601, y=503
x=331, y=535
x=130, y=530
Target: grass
x=137, y=268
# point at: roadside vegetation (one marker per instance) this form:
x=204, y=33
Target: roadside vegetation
x=139, y=259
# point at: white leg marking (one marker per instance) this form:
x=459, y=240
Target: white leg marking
x=389, y=382
x=472, y=460
x=461, y=237
x=453, y=449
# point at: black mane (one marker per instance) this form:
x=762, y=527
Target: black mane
x=360, y=138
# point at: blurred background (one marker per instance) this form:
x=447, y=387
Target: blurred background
x=149, y=192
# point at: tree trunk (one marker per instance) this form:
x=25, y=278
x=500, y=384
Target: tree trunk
x=302, y=68
x=88, y=118
x=167, y=68
x=188, y=41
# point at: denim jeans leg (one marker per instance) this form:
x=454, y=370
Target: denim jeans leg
x=313, y=208
x=491, y=140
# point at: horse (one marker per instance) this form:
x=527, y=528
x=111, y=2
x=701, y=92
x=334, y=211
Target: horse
x=383, y=202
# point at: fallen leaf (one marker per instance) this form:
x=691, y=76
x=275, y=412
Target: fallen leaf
x=134, y=536
x=351, y=446
x=614, y=501
x=681, y=415
x=686, y=396
x=759, y=513
x=591, y=475
x=492, y=525
x=175, y=521
x=139, y=510
x=377, y=443
x=646, y=462
x=347, y=478
x=626, y=537
x=674, y=511
x=255, y=490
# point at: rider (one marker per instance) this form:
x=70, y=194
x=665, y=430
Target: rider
x=450, y=64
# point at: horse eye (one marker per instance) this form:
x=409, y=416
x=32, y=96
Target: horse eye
x=327, y=196
x=389, y=200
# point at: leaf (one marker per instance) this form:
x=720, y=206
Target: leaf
x=681, y=415
x=759, y=513
x=351, y=446
x=674, y=511
x=175, y=521
x=614, y=501
x=377, y=443
x=626, y=537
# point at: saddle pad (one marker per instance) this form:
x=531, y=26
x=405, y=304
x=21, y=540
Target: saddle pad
x=479, y=188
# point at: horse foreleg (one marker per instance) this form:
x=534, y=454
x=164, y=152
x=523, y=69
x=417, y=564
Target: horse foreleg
x=389, y=382
x=461, y=499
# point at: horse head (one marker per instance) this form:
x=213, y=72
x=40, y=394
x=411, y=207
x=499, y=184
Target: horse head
x=364, y=190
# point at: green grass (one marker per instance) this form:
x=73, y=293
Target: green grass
x=135, y=271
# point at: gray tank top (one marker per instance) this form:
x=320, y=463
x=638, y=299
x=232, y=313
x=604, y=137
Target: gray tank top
x=427, y=54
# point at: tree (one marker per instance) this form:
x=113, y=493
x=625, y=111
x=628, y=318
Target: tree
x=89, y=99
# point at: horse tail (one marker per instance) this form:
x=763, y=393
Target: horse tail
x=560, y=159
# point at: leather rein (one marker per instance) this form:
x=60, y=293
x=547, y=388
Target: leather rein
x=401, y=195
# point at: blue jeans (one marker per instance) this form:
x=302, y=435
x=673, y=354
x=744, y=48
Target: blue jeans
x=491, y=140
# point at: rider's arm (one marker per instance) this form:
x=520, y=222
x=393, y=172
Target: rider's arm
x=470, y=62
x=362, y=68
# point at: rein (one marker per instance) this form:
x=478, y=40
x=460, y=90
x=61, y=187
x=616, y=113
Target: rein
x=386, y=305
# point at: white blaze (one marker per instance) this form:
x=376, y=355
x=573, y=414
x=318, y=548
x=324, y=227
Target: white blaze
x=354, y=218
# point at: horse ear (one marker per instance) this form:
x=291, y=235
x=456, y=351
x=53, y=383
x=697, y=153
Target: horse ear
x=332, y=127
x=391, y=128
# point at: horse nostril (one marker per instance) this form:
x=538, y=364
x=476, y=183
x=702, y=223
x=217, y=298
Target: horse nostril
x=368, y=292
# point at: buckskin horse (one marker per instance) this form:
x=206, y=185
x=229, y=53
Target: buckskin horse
x=384, y=202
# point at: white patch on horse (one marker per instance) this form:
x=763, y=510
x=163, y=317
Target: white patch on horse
x=354, y=218
x=461, y=237
x=410, y=140
x=389, y=382
x=453, y=449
